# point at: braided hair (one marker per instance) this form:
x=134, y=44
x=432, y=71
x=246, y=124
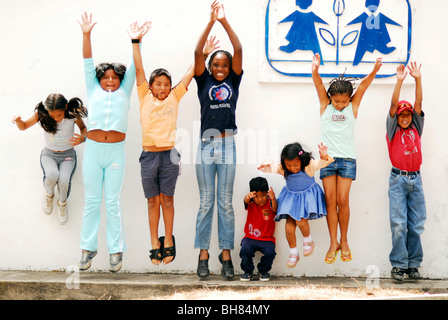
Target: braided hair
x=341, y=85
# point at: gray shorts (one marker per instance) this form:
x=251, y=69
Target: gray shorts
x=159, y=171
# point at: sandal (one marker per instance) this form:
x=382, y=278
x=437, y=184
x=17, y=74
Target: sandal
x=333, y=256
x=308, y=248
x=157, y=254
x=169, y=251
x=292, y=261
x=346, y=256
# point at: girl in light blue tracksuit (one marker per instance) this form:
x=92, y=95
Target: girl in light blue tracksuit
x=109, y=88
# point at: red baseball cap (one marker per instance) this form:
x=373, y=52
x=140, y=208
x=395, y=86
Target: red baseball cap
x=404, y=105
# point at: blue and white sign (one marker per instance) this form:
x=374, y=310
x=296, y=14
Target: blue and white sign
x=348, y=34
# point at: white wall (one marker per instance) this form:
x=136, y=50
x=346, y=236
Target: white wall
x=41, y=54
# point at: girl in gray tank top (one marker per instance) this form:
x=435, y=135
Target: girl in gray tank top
x=57, y=116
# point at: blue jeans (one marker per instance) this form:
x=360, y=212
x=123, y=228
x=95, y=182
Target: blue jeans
x=216, y=158
x=407, y=217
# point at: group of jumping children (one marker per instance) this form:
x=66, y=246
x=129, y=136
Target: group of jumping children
x=109, y=87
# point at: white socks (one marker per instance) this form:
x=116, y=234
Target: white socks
x=294, y=252
x=307, y=239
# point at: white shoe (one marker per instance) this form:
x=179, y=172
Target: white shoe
x=47, y=203
x=116, y=261
x=63, y=212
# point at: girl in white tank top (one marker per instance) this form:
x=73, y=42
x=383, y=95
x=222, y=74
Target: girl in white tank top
x=339, y=110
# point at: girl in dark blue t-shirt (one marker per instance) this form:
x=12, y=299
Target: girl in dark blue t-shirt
x=218, y=90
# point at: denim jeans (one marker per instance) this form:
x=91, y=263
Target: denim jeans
x=342, y=167
x=407, y=217
x=216, y=158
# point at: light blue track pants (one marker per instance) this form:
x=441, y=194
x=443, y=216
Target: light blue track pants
x=103, y=167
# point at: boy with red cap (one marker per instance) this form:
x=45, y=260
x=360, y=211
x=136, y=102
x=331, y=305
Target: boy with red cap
x=406, y=198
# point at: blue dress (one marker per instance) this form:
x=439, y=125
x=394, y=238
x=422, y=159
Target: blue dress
x=301, y=198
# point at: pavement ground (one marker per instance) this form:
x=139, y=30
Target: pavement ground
x=93, y=285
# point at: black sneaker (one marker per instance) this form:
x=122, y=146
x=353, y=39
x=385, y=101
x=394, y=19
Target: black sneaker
x=413, y=274
x=398, y=273
x=246, y=276
x=264, y=276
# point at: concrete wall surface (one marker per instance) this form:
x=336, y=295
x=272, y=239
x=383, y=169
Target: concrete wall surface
x=41, y=53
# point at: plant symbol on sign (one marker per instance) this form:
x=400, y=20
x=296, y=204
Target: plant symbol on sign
x=338, y=9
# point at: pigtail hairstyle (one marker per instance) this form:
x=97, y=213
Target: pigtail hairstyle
x=43, y=117
x=292, y=151
x=73, y=109
x=341, y=85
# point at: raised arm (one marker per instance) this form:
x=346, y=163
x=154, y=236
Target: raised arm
x=365, y=83
x=401, y=75
x=210, y=46
x=274, y=203
x=318, y=84
x=416, y=73
x=87, y=25
x=136, y=33
x=269, y=166
x=237, y=60
x=199, y=59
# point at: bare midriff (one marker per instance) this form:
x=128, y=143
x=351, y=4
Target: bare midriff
x=106, y=136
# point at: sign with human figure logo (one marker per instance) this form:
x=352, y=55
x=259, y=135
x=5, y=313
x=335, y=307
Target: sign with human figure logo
x=349, y=35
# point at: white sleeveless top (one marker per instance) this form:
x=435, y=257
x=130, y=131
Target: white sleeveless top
x=60, y=140
x=338, y=131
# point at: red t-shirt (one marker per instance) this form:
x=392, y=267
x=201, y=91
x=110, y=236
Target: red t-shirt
x=260, y=224
x=405, y=148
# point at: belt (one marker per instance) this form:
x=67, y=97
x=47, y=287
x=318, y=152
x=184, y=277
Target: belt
x=404, y=172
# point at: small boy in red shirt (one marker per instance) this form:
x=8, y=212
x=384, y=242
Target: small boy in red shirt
x=407, y=208
x=261, y=206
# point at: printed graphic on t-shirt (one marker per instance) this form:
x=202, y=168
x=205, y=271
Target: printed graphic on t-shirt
x=266, y=214
x=167, y=113
x=254, y=232
x=59, y=138
x=408, y=141
x=220, y=95
x=338, y=117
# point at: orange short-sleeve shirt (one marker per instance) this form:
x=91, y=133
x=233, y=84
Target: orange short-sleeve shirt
x=158, y=118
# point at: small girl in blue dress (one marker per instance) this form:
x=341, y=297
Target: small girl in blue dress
x=302, y=199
